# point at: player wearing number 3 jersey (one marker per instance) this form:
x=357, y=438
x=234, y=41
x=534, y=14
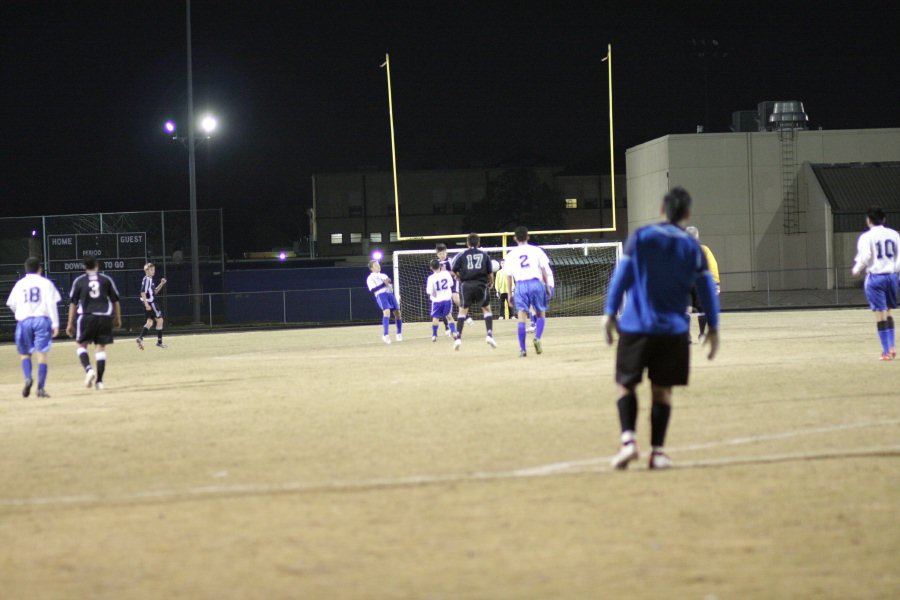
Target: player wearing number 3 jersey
x=95, y=299
x=878, y=255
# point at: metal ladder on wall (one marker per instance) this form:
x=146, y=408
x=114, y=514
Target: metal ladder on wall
x=790, y=202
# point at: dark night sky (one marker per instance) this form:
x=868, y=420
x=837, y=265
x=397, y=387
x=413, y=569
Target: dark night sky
x=86, y=86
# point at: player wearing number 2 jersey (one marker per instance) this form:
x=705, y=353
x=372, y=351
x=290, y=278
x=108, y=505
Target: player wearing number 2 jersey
x=95, y=299
x=33, y=299
x=878, y=254
x=531, y=279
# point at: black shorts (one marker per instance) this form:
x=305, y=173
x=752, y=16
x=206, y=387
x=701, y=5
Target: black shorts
x=475, y=293
x=667, y=359
x=95, y=329
x=154, y=312
x=695, y=301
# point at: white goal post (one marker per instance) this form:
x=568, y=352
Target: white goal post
x=581, y=272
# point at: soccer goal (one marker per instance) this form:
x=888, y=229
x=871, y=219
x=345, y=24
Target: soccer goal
x=582, y=273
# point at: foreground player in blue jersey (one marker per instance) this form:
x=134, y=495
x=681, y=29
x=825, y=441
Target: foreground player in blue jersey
x=661, y=263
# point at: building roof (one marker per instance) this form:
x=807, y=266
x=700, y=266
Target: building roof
x=851, y=188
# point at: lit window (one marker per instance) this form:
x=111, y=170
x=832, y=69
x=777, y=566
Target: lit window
x=393, y=236
x=337, y=238
x=375, y=237
x=571, y=202
x=355, y=238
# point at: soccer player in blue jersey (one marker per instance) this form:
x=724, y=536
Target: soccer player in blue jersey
x=439, y=287
x=33, y=300
x=380, y=285
x=878, y=254
x=661, y=263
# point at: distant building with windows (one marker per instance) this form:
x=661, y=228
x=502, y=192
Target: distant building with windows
x=354, y=211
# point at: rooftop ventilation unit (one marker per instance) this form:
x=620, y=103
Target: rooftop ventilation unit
x=787, y=115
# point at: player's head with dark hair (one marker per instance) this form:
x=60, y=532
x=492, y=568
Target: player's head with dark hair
x=876, y=215
x=90, y=263
x=440, y=248
x=521, y=233
x=677, y=204
x=32, y=264
x=472, y=240
x=435, y=264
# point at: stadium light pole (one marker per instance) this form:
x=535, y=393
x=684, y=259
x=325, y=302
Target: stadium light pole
x=192, y=176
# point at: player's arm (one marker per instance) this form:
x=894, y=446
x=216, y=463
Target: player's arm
x=709, y=300
x=162, y=282
x=70, y=322
x=117, y=315
x=144, y=298
x=863, y=255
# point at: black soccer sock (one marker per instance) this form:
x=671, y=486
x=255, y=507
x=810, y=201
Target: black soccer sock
x=701, y=319
x=159, y=336
x=489, y=324
x=659, y=423
x=459, y=326
x=628, y=408
x=144, y=331
x=83, y=357
x=444, y=321
x=101, y=365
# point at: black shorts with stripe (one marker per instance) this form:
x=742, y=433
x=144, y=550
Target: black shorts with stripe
x=95, y=329
x=666, y=358
x=475, y=293
x=154, y=313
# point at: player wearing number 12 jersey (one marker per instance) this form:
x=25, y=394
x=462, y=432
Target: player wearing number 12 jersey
x=878, y=254
x=33, y=299
x=95, y=299
x=439, y=287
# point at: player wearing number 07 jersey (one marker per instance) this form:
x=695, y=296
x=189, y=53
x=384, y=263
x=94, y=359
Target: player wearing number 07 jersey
x=531, y=279
x=878, y=254
x=33, y=299
x=439, y=287
x=95, y=299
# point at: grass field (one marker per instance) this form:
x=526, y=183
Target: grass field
x=323, y=464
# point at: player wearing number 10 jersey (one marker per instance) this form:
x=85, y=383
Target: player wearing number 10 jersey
x=95, y=299
x=878, y=254
x=33, y=299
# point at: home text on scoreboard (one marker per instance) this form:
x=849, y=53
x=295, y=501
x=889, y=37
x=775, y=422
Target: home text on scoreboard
x=113, y=251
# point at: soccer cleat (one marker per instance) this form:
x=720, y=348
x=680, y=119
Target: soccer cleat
x=161, y=345
x=140, y=343
x=537, y=346
x=99, y=385
x=386, y=339
x=659, y=460
x=26, y=391
x=886, y=356
x=627, y=453
x=447, y=333
x=531, y=329
x=522, y=354
x=490, y=342
x=701, y=338
x=434, y=338
x=457, y=343
x=42, y=393
x=399, y=337
x=893, y=353
x=89, y=378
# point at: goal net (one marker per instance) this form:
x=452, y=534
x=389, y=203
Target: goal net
x=581, y=272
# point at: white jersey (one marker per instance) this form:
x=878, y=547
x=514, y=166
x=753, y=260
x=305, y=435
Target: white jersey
x=378, y=283
x=439, y=286
x=877, y=251
x=34, y=296
x=528, y=262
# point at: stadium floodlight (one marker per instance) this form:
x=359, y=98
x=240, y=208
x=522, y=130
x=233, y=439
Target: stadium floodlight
x=170, y=127
x=34, y=233
x=377, y=255
x=282, y=256
x=208, y=124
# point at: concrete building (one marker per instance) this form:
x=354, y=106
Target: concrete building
x=780, y=209
x=354, y=210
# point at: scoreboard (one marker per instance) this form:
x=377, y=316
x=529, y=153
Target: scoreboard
x=113, y=251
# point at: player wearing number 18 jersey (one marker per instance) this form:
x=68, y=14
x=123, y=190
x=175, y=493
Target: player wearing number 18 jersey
x=95, y=299
x=878, y=254
x=33, y=299
x=474, y=269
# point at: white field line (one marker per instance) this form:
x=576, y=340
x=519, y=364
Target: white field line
x=591, y=465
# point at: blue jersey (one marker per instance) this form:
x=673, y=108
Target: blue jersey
x=660, y=265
